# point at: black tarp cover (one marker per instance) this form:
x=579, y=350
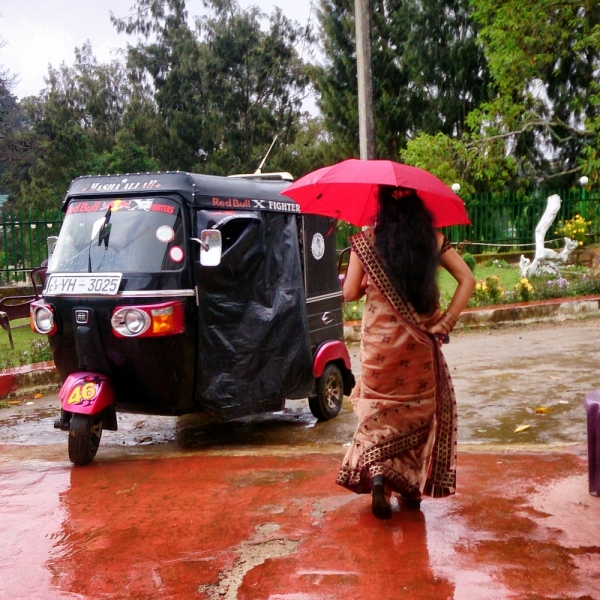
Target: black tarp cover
x=253, y=329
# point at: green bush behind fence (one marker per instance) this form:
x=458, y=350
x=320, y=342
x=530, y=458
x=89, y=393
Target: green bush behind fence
x=499, y=222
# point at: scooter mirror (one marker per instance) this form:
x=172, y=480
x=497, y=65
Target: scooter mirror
x=210, y=248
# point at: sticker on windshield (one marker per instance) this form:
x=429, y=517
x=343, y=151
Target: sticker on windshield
x=145, y=204
x=176, y=254
x=165, y=234
x=317, y=246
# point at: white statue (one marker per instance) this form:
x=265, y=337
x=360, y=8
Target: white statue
x=546, y=261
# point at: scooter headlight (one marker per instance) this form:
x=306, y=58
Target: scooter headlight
x=130, y=322
x=42, y=318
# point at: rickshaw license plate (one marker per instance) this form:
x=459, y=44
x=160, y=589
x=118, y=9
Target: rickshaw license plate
x=83, y=283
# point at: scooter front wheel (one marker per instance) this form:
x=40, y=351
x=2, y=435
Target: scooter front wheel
x=330, y=394
x=85, y=432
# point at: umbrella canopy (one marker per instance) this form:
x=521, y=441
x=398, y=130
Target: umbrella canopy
x=349, y=191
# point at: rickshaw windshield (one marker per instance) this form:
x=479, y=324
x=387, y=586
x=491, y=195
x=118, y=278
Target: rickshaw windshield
x=142, y=235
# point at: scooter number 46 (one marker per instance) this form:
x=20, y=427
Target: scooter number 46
x=83, y=393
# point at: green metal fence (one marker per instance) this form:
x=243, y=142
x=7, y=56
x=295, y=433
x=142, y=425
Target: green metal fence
x=506, y=222
x=23, y=241
x=503, y=222
x=499, y=222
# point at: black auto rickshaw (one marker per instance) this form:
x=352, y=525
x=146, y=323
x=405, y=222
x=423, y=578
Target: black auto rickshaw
x=176, y=293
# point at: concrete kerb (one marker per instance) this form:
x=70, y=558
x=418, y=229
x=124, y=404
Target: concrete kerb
x=39, y=378
x=43, y=377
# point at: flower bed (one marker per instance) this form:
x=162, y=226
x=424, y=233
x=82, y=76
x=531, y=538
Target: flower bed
x=490, y=292
x=500, y=284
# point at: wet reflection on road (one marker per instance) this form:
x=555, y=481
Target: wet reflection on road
x=249, y=510
x=213, y=525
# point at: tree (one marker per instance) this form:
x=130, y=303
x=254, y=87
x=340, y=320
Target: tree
x=429, y=71
x=542, y=125
x=224, y=89
x=77, y=127
x=12, y=121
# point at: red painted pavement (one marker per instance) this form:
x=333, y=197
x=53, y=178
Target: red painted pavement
x=277, y=527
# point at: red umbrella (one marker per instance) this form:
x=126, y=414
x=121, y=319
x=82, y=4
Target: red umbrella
x=348, y=191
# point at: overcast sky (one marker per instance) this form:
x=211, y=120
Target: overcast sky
x=42, y=32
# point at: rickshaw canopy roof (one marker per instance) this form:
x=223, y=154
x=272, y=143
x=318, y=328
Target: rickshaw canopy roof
x=201, y=191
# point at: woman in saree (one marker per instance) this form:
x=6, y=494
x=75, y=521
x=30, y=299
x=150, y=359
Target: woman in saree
x=405, y=440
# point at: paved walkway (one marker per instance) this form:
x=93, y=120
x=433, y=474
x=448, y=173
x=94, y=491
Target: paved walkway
x=273, y=526
x=254, y=521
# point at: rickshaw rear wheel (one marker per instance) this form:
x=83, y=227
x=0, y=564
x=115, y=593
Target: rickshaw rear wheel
x=85, y=432
x=330, y=394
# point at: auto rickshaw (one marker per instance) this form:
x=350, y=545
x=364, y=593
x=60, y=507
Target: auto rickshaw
x=176, y=293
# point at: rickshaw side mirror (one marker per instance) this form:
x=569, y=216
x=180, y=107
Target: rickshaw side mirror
x=104, y=234
x=96, y=227
x=210, y=247
x=51, y=244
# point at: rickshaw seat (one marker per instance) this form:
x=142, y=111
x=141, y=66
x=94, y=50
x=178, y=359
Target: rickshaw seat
x=11, y=308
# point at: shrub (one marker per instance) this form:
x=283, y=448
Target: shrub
x=352, y=311
x=575, y=229
x=553, y=288
x=586, y=286
x=524, y=290
x=39, y=351
x=470, y=260
x=487, y=292
x=495, y=290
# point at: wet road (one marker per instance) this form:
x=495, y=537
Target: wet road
x=177, y=508
x=501, y=377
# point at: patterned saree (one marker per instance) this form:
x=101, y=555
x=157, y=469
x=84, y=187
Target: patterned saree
x=404, y=399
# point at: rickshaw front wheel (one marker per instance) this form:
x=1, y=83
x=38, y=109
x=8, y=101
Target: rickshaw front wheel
x=330, y=394
x=85, y=432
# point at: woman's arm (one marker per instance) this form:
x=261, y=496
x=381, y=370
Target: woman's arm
x=355, y=282
x=459, y=269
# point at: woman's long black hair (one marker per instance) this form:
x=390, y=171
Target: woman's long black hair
x=405, y=239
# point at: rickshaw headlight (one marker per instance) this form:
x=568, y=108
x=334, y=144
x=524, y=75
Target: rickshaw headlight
x=130, y=322
x=150, y=320
x=42, y=318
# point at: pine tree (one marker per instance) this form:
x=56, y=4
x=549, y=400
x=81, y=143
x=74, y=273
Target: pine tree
x=429, y=71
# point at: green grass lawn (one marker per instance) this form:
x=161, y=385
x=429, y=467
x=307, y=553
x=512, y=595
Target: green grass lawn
x=508, y=276
x=30, y=347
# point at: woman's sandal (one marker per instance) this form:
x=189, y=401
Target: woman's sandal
x=380, y=507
